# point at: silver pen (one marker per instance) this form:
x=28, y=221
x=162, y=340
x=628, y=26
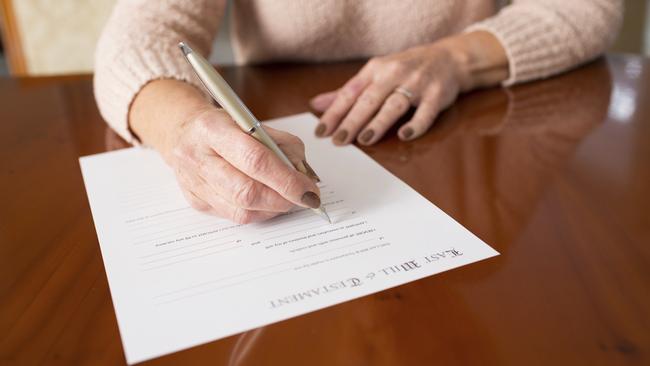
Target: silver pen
x=228, y=100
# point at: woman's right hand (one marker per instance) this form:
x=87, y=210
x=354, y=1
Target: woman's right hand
x=221, y=170
x=224, y=171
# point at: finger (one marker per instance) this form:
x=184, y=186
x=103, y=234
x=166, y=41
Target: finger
x=258, y=162
x=197, y=203
x=294, y=148
x=238, y=214
x=342, y=103
x=306, y=169
x=395, y=106
x=291, y=145
x=201, y=195
x=238, y=189
x=365, y=107
x=321, y=102
x=422, y=120
x=195, y=192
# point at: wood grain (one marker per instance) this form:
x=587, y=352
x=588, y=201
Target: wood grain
x=553, y=174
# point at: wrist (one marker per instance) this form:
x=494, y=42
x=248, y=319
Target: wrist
x=162, y=109
x=173, y=131
x=479, y=57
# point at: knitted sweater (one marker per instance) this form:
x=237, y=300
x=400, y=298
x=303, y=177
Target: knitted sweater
x=139, y=43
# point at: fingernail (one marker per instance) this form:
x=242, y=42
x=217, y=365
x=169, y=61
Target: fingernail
x=407, y=133
x=340, y=136
x=310, y=199
x=320, y=129
x=310, y=172
x=366, y=136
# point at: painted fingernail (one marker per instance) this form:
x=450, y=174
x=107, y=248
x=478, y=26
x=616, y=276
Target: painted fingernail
x=310, y=199
x=407, y=133
x=320, y=129
x=366, y=136
x=340, y=136
x=310, y=172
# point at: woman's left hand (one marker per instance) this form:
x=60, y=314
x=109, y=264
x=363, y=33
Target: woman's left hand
x=427, y=77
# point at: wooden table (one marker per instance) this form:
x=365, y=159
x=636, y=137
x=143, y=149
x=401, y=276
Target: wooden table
x=555, y=175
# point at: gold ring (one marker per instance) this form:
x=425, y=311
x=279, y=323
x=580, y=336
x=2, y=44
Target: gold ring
x=405, y=92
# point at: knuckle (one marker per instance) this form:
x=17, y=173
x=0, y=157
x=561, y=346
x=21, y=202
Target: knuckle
x=347, y=96
x=183, y=153
x=242, y=216
x=196, y=203
x=292, y=183
x=201, y=165
x=394, y=67
x=199, y=205
x=435, y=90
x=246, y=194
x=285, y=206
x=418, y=75
x=397, y=104
x=204, y=122
x=255, y=158
x=368, y=99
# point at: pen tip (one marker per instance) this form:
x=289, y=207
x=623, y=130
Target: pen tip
x=324, y=215
x=185, y=48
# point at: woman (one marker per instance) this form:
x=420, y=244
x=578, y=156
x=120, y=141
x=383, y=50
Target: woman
x=422, y=54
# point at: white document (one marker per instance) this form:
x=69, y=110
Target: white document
x=180, y=278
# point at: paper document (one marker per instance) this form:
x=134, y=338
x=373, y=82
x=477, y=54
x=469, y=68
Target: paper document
x=179, y=278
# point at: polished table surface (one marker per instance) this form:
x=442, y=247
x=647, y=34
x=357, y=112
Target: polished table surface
x=555, y=175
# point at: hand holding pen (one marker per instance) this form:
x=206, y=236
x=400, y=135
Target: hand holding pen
x=262, y=157
x=220, y=169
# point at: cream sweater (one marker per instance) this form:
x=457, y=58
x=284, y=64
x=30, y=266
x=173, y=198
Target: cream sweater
x=139, y=43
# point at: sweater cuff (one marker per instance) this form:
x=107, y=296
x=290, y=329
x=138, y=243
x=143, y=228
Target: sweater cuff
x=529, y=42
x=118, y=82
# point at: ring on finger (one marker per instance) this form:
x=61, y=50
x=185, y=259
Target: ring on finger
x=405, y=92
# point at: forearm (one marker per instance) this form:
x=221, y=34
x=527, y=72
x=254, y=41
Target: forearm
x=161, y=108
x=480, y=58
x=546, y=37
x=139, y=44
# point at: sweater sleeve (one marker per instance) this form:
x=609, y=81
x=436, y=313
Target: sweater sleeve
x=139, y=44
x=546, y=37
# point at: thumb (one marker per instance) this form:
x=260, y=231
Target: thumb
x=322, y=102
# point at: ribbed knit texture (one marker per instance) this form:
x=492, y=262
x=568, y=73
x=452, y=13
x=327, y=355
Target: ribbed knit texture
x=139, y=44
x=543, y=38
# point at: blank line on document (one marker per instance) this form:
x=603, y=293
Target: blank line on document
x=188, y=252
x=259, y=269
x=215, y=225
x=196, y=224
x=192, y=258
x=187, y=246
x=140, y=219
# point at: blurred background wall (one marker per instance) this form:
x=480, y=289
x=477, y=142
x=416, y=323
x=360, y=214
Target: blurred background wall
x=45, y=37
